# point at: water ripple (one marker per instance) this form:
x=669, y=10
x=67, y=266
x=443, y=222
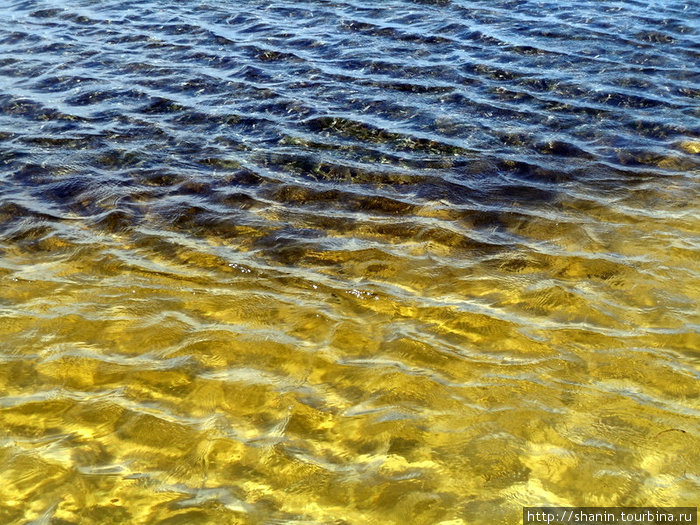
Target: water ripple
x=423, y=261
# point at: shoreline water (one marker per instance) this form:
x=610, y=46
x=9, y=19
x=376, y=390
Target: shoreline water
x=331, y=262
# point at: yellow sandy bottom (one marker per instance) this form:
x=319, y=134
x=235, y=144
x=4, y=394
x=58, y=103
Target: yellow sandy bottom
x=178, y=379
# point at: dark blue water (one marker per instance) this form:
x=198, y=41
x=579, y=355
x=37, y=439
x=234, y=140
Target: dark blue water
x=460, y=101
x=324, y=261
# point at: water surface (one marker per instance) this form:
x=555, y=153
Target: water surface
x=345, y=261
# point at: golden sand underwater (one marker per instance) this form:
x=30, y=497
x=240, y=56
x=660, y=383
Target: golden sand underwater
x=382, y=377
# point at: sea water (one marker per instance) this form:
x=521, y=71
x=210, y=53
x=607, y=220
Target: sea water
x=347, y=262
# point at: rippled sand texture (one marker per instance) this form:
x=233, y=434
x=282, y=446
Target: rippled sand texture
x=347, y=262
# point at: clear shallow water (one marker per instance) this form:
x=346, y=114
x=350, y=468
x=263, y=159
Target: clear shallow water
x=347, y=262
